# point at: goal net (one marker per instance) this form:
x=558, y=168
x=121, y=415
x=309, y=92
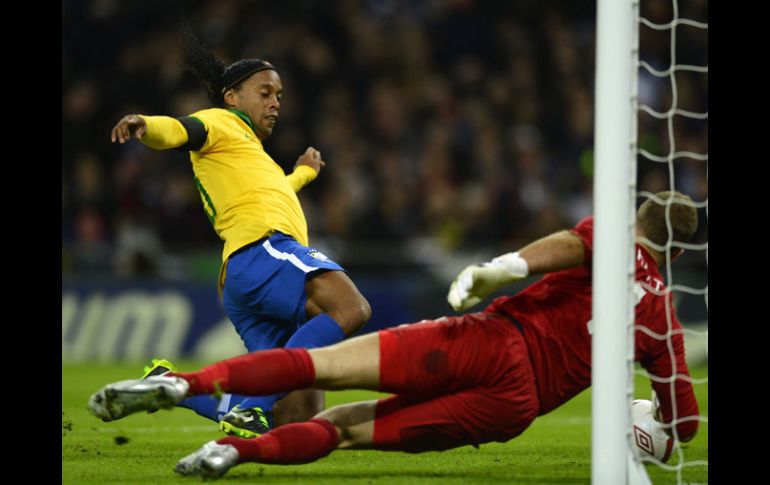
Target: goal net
x=671, y=103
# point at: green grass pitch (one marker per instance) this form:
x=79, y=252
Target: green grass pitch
x=144, y=448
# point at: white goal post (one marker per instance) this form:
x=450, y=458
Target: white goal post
x=613, y=262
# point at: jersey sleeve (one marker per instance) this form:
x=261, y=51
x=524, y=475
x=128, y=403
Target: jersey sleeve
x=163, y=132
x=209, y=135
x=187, y=133
x=197, y=134
x=662, y=362
x=301, y=176
x=585, y=231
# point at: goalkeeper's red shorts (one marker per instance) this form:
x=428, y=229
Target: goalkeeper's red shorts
x=458, y=381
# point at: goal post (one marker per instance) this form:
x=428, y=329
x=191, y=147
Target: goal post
x=613, y=263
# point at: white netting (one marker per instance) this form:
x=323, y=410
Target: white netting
x=672, y=154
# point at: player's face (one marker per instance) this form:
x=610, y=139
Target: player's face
x=260, y=98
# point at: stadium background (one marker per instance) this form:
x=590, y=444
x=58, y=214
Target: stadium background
x=453, y=131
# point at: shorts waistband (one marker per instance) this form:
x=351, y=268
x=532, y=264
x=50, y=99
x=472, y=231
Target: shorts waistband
x=254, y=243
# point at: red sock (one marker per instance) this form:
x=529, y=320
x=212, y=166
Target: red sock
x=288, y=444
x=255, y=374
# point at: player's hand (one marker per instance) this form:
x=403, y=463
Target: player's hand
x=478, y=281
x=130, y=126
x=311, y=158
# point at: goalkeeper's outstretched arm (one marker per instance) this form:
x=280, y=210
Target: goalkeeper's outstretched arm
x=556, y=252
x=561, y=250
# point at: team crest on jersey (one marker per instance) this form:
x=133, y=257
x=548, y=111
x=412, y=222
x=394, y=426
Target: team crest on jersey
x=313, y=253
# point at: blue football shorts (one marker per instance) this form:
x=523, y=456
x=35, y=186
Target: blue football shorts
x=264, y=291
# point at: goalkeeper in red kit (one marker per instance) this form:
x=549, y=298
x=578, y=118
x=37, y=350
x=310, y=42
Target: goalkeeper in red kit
x=459, y=380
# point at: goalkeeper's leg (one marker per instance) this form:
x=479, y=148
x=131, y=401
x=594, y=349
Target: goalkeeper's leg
x=346, y=426
x=397, y=423
x=404, y=423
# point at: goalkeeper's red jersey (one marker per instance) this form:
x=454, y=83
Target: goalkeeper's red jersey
x=555, y=314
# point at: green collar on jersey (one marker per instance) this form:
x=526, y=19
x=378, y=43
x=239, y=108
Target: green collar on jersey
x=240, y=114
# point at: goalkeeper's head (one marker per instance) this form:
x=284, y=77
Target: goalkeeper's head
x=678, y=208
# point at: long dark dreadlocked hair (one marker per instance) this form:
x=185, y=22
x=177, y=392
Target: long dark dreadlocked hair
x=213, y=73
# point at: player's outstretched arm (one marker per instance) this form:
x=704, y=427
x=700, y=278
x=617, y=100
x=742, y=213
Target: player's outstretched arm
x=161, y=132
x=555, y=252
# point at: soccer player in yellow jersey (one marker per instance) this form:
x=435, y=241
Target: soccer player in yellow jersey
x=277, y=291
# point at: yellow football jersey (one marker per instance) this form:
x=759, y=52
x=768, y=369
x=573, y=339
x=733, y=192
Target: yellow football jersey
x=245, y=194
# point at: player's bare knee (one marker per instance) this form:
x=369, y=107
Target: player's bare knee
x=353, y=315
x=360, y=314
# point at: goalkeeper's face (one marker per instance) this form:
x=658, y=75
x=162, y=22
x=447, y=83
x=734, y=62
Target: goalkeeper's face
x=259, y=96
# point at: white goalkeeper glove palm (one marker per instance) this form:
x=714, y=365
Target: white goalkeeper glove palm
x=478, y=281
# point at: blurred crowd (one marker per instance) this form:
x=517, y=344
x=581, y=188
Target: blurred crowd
x=465, y=123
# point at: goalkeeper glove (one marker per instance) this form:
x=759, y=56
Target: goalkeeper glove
x=478, y=281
